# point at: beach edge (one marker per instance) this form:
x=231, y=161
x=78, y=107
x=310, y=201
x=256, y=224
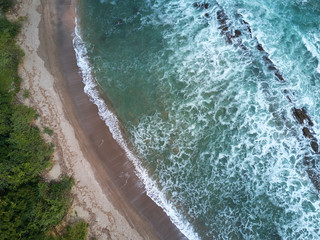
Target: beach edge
x=116, y=207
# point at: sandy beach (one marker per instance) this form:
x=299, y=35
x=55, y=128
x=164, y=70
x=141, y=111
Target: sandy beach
x=107, y=193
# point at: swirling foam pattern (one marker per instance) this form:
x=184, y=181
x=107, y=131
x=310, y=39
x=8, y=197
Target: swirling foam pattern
x=210, y=121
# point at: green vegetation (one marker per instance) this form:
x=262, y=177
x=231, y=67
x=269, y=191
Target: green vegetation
x=5, y=5
x=26, y=93
x=24, y=154
x=10, y=56
x=48, y=131
x=78, y=231
x=29, y=206
x=32, y=209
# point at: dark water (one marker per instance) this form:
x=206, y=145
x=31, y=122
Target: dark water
x=210, y=121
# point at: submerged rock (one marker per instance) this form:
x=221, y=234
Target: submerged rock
x=301, y=115
x=268, y=60
x=201, y=5
x=260, y=48
x=315, y=146
x=196, y=5
x=118, y=22
x=314, y=177
x=307, y=133
x=248, y=26
x=237, y=33
x=278, y=75
x=222, y=17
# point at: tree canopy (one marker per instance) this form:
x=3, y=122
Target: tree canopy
x=29, y=206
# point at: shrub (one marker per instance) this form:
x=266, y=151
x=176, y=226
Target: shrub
x=5, y=5
x=31, y=210
x=48, y=131
x=26, y=93
x=29, y=206
x=10, y=56
x=78, y=231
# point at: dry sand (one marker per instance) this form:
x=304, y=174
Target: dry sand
x=114, y=210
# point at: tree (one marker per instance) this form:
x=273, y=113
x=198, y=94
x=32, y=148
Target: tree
x=25, y=154
x=33, y=209
x=5, y=5
x=78, y=231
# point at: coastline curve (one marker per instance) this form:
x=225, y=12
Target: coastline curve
x=112, y=123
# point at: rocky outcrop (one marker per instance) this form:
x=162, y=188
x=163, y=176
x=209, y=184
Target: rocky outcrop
x=300, y=114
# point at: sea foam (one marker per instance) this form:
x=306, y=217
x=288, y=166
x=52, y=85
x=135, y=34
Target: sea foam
x=112, y=122
x=224, y=146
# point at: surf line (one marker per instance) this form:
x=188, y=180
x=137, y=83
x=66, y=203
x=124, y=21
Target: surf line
x=300, y=114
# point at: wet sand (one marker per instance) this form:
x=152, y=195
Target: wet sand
x=108, y=194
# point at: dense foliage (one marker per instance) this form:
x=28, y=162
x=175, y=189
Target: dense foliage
x=78, y=231
x=10, y=56
x=24, y=154
x=29, y=211
x=5, y=5
x=29, y=206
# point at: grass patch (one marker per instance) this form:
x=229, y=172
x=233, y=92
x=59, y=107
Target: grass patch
x=78, y=231
x=48, y=131
x=26, y=93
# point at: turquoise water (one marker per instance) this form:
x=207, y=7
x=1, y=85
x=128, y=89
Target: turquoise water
x=209, y=121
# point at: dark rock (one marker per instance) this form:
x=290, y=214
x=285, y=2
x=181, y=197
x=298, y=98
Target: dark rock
x=260, y=48
x=315, y=146
x=268, y=60
x=228, y=36
x=243, y=47
x=248, y=26
x=245, y=22
x=289, y=99
x=301, y=115
x=287, y=92
x=307, y=133
x=196, y=5
x=272, y=67
x=207, y=15
x=314, y=177
x=307, y=161
x=202, y=5
x=237, y=33
x=224, y=28
x=119, y=22
x=277, y=73
x=222, y=18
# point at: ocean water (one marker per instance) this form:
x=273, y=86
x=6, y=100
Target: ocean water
x=209, y=125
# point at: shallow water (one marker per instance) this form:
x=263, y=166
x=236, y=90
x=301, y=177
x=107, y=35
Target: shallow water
x=208, y=120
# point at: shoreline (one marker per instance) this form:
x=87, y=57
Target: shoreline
x=116, y=207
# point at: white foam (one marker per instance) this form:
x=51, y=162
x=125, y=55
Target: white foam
x=313, y=49
x=272, y=152
x=112, y=122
